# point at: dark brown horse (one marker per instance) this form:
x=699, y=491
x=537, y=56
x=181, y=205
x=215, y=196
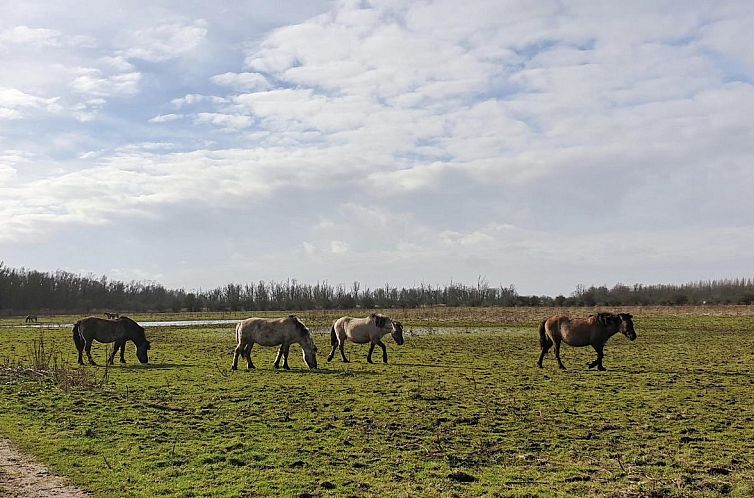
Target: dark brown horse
x=593, y=331
x=119, y=331
x=31, y=318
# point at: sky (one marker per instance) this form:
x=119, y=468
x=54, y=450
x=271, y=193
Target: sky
x=541, y=144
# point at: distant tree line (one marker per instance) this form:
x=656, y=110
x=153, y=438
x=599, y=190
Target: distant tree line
x=23, y=290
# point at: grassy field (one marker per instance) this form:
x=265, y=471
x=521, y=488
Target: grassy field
x=672, y=416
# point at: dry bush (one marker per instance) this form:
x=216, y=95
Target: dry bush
x=45, y=364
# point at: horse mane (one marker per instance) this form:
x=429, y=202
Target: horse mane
x=299, y=325
x=379, y=319
x=602, y=318
x=133, y=325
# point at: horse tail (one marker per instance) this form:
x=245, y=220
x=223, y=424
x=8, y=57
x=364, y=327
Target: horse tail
x=333, y=336
x=544, y=341
x=77, y=339
x=238, y=333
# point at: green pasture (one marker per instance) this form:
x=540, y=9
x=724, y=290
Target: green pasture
x=464, y=412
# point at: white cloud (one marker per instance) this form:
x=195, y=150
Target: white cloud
x=14, y=103
x=194, y=99
x=164, y=118
x=164, y=42
x=242, y=81
x=228, y=121
x=24, y=35
x=91, y=81
x=339, y=247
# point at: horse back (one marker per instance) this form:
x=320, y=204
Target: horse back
x=100, y=329
x=358, y=330
x=266, y=331
x=572, y=331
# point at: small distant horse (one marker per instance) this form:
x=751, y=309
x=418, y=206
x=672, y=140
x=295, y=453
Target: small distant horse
x=593, y=331
x=31, y=318
x=111, y=315
x=119, y=331
x=274, y=332
x=363, y=330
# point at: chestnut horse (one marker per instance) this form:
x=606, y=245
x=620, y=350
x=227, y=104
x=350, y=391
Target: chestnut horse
x=593, y=331
x=363, y=330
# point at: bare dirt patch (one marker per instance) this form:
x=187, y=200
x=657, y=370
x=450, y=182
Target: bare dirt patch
x=21, y=477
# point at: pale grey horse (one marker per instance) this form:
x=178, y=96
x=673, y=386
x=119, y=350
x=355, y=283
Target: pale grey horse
x=274, y=332
x=362, y=330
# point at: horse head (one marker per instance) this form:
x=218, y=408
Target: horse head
x=626, y=326
x=306, y=342
x=397, y=332
x=137, y=334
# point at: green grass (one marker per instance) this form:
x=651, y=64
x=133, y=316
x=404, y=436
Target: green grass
x=672, y=416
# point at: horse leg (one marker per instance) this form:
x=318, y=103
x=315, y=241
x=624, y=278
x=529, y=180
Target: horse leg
x=286, y=350
x=545, y=348
x=111, y=358
x=88, y=349
x=341, y=347
x=332, y=353
x=598, y=361
x=80, y=349
x=123, y=351
x=557, y=355
x=247, y=353
x=369, y=355
x=236, y=353
x=597, y=349
x=280, y=355
x=384, y=351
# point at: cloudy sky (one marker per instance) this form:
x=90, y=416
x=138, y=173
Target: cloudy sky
x=541, y=144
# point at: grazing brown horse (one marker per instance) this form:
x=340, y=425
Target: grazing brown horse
x=31, y=318
x=119, y=331
x=363, y=330
x=274, y=332
x=593, y=331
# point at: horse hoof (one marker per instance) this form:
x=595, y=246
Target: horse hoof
x=539, y=365
x=286, y=367
x=276, y=366
x=601, y=368
x=346, y=361
x=562, y=367
x=329, y=359
x=369, y=360
x=234, y=368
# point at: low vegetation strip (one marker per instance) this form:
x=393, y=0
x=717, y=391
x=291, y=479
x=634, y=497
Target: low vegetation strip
x=464, y=413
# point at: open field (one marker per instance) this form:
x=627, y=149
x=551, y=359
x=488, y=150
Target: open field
x=672, y=416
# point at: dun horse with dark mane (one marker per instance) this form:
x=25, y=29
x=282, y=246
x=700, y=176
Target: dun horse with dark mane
x=119, y=331
x=362, y=330
x=274, y=332
x=593, y=331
